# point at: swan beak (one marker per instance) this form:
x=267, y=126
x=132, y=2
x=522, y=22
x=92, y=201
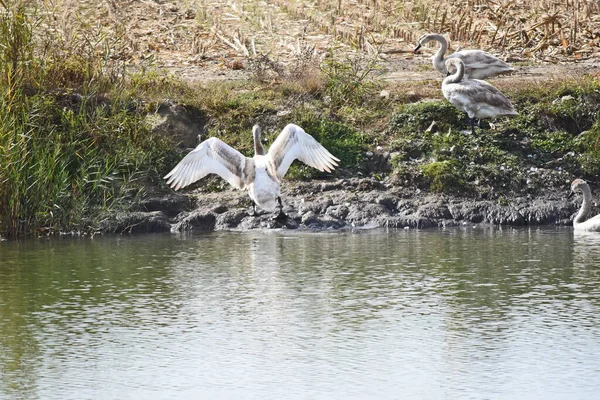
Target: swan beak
x=448, y=73
x=416, y=50
x=571, y=193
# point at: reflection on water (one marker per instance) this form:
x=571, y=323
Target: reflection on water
x=372, y=314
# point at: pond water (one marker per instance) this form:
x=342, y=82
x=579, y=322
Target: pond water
x=430, y=314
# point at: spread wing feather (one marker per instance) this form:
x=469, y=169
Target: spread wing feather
x=294, y=143
x=212, y=156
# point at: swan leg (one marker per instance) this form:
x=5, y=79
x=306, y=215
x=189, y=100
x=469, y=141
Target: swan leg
x=281, y=214
x=473, y=125
x=254, y=213
x=471, y=122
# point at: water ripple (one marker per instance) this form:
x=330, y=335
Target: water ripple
x=426, y=314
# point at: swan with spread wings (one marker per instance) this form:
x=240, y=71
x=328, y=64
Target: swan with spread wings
x=262, y=174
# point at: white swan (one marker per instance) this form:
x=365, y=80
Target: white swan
x=477, y=98
x=581, y=223
x=478, y=63
x=261, y=175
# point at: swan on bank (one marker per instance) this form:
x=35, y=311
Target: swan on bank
x=478, y=63
x=581, y=222
x=477, y=98
x=261, y=175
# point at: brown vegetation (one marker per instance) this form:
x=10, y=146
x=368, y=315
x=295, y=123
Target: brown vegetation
x=203, y=39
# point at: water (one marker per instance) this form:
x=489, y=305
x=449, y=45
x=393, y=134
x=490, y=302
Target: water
x=461, y=313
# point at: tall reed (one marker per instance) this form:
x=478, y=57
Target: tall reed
x=65, y=154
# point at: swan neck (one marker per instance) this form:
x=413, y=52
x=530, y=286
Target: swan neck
x=586, y=205
x=258, y=148
x=438, y=58
x=457, y=76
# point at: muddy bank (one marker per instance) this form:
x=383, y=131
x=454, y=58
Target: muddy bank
x=337, y=204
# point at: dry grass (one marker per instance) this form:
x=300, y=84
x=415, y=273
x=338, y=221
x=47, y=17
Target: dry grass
x=221, y=36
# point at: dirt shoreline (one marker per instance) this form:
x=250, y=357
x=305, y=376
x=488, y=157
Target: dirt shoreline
x=338, y=204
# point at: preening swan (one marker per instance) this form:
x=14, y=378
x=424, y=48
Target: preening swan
x=478, y=63
x=261, y=175
x=581, y=222
x=477, y=98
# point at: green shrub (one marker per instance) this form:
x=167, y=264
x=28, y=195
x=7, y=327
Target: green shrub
x=351, y=80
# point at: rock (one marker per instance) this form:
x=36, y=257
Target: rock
x=198, y=220
x=314, y=221
x=357, y=202
x=230, y=219
x=434, y=211
x=408, y=222
x=338, y=211
x=319, y=206
x=379, y=162
x=507, y=215
x=220, y=209
x=366, y=184
x=309, y=217
x=170, y=204
x=406, y=207
x=364, y=214
x=136, y=222
x=387, y=201
x=555, y=212
x=282, y=223
x=327, y=186
x=250, y=222
x=469, y=211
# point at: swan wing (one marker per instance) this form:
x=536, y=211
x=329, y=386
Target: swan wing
x=482, y=93
x=479, y=59
x=591, y=225
x=212, y=156
x=294, y=143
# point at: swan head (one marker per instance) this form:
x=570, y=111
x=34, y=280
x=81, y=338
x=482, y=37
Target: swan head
x=577, y=185
x=455, y=70
x=453, y=64
x=424, y=39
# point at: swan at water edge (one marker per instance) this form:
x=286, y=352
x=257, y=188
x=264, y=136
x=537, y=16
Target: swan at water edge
x=581, y=222
x=477, y=98
x=261, y=175
x=478, y=63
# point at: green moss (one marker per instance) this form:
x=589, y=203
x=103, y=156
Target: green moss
x=444, y=176
x=556, y=131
